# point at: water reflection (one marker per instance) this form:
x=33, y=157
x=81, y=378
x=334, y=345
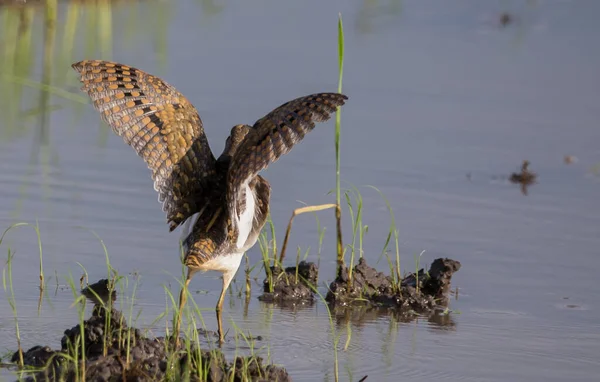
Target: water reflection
x=26, y=103
x=62, y=29
x=365, y=315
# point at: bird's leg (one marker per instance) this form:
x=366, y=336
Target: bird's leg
x=227, y=277
x=220, y=325
x=182, y=300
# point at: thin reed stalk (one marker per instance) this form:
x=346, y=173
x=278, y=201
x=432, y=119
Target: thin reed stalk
x=7, y=276
x=338, y=122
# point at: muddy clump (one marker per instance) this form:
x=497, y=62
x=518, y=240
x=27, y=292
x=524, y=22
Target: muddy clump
x=115, y=352
x=101, y=292
x=417, y=293
x=292, y=285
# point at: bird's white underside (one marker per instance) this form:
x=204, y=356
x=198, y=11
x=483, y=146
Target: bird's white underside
x=246, y=218
x=229, y=263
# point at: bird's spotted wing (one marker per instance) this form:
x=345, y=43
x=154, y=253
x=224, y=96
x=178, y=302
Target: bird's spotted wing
x=274, y=135
x=161, y=125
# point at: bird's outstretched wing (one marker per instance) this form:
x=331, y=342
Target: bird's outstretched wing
x=161, y=125
x=274, y=135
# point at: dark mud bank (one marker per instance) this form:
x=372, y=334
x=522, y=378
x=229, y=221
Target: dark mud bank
x=417, y=293
x=148, y=359
x=291, y=286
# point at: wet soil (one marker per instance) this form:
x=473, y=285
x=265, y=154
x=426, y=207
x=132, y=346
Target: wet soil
x=148, y=359
x=101, y=292
x=292, y=285
x=417, y=293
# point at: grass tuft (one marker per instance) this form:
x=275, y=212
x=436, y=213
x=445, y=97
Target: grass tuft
x=395, y=270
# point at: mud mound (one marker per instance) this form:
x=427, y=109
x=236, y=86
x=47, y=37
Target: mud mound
x=100, y=292
x=372, y=287
x=107, y=340
x=289, y=289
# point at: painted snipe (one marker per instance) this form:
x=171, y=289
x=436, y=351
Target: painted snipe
x=226, y=198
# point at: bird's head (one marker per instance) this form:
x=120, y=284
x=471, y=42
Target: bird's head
x=235, y=138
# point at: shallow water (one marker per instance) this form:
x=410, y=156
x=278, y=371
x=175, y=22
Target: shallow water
x=437, y=92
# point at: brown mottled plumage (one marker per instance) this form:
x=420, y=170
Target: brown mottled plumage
x=161, y=125
x=165, y=130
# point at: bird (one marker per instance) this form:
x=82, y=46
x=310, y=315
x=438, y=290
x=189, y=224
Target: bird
x=225, y=198
x=525, y=178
